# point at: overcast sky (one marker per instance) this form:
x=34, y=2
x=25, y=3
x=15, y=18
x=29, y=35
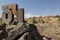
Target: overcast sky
x=35, y=7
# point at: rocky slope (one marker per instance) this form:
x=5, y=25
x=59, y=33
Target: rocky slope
x=48, y=26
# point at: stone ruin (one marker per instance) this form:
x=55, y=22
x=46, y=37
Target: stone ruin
x=14, y=26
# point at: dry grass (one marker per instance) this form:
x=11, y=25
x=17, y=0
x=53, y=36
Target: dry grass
x=48, y=26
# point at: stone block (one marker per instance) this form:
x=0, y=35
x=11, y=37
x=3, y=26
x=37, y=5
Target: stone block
x=20, y=15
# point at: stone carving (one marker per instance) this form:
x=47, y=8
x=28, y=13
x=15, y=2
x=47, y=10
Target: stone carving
x=15, y=27
x=7, y=16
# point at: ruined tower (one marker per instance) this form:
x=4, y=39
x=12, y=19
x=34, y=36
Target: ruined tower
x=18, y=13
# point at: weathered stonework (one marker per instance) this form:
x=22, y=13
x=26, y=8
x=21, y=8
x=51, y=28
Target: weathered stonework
x=14, y=27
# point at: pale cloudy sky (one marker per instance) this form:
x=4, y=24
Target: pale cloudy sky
x=35, y=7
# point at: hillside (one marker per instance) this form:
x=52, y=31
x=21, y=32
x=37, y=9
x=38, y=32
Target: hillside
x=46, y=19
x=48, y=26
